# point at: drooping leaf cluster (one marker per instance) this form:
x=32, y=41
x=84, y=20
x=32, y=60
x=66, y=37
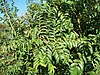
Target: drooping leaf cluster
x=56, y=37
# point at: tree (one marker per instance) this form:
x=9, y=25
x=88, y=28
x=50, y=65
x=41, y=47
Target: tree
x=56, y=37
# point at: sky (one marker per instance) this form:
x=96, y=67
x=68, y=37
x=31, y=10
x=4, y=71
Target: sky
x=21, y=5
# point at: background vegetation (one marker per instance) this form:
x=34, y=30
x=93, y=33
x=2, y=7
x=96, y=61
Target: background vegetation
x=56, y=37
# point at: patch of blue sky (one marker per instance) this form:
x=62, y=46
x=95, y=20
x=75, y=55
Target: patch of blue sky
x=21, y=5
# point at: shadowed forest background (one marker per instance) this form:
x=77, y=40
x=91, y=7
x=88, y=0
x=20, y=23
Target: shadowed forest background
x=53, y=37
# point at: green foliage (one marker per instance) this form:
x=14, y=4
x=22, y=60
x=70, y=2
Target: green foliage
x=56, y=37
